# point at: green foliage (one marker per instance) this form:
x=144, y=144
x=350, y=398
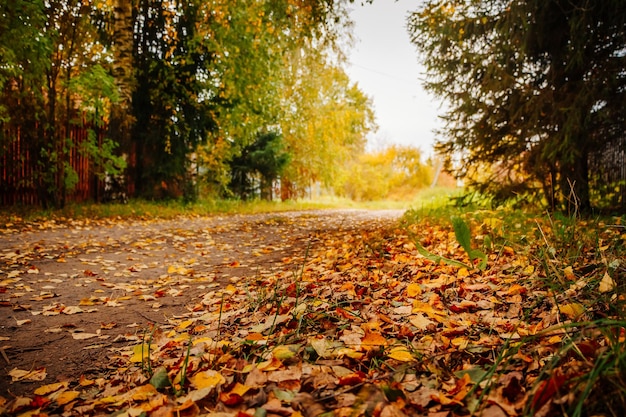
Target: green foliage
x=534, y=90
x=259, y=165
x=463, y=237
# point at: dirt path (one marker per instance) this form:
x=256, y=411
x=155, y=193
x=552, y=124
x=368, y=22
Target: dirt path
x=72, y=293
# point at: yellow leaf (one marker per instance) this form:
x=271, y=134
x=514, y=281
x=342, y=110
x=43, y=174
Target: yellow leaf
x=569, y=273
x=205, y=340
x=143, y=392
x=460, y=342
x=607, y=284
x=140, y=353
x=529, y=270
x=421, y=307
x=401, y=354
x=572, y=310
x=462, y=273
x=270, y=365
x=184, y=324
x=47, y=389
x=176, y=269
x=240, y=389
x=207, y=379
x=84, y=382
x=285, y=352
x=67, y=397
x=413, y=290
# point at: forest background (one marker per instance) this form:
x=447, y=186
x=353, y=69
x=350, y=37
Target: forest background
x=106, y=100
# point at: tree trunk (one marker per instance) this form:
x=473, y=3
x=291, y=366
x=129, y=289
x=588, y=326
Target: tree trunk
x=122, y=119
x=575, y=185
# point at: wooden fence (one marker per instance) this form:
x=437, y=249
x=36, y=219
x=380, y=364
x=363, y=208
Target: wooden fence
x=21, y=181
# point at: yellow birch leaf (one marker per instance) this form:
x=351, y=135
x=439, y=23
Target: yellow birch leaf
x=207, y=379
x=67, y=397
x=607, y=284
x=460, y=342
x=285, y=352
x=401, y=354
x=143, y=392
x=572, y=310
x=240, y=389
x=230, y=288
x=47, y=389
x=270, y=365
x=140, y=353
x=184, y=324
x=413, y=290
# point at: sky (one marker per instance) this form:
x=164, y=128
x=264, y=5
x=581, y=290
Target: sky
x=385, y=66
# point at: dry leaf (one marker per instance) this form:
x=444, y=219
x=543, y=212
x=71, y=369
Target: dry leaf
x=207, y=379
x=38, y=374
x=607, y=283
x=572, y=310
x=84, y=336
x=401, y=354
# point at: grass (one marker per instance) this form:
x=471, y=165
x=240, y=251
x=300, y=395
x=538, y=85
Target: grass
x=144, y=209
x=581, y=266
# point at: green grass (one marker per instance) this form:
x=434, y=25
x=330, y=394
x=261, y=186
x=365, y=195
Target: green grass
x=144, y=209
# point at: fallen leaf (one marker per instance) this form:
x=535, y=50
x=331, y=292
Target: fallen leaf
x=207, y=379
x=84, y=336
x=66, y=397
x=373, y=340
x=38, y=374
x=47, y=389
x=607, y=283
x=401, y=354
x=572, y=310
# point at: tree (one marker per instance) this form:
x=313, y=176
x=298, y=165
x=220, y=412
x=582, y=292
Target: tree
x=534, y=88
x=326, y=121
x=395, y=172
x=259, y=165
x=46, y=45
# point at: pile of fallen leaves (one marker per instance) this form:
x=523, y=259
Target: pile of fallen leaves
x=368, y=326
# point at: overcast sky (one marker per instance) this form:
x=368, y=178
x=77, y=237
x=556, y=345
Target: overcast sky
x=384, y=64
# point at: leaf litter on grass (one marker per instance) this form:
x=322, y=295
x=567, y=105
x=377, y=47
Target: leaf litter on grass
x=367, y=326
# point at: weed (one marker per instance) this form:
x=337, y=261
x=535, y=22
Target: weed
x=463, y=237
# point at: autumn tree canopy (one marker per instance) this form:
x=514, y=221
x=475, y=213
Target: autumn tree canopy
x=171, y=92
x=536, y=90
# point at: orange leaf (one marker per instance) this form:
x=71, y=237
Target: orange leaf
x=373, y=340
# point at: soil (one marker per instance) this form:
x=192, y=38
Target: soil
x=73, y=293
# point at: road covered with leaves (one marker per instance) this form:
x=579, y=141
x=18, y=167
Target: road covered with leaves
x=343, y=312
